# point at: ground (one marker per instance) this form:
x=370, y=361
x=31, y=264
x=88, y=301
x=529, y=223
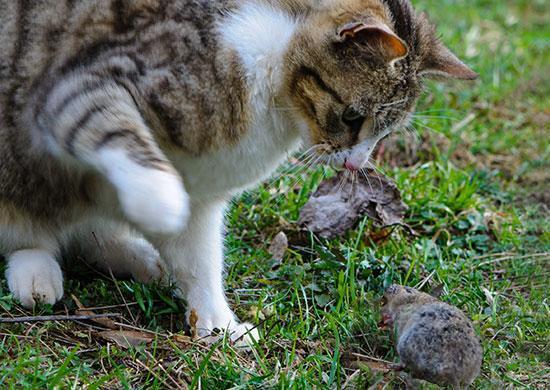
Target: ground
x=476, y=179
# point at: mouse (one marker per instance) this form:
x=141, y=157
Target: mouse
x=435, y=341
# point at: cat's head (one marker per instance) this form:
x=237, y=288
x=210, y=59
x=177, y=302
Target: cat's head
x=355, y=71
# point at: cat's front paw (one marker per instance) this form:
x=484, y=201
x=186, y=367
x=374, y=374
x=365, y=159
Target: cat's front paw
x=211, y=328
x=34, y=277
x=155, y=200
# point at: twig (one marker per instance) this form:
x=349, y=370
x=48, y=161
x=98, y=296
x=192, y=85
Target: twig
x=372, y=358
x=76, y=317
x=463, y=123
x=513, y=257
x=351, y=378
x=493, y=255
x=162, y=381
x=155, y=361
x=423, y=282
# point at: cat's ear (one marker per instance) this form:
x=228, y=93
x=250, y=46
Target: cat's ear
x=441, y=62
x=377, y=36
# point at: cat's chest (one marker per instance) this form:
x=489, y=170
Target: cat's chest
x=229, y=170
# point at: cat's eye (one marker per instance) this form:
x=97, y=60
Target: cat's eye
x=350, y=115
x=353, y=119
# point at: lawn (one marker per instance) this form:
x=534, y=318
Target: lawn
x=475, y=175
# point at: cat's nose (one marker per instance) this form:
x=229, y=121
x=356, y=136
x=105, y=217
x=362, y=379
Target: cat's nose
x=350, y=166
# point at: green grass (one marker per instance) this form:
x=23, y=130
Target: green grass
x=477, y=196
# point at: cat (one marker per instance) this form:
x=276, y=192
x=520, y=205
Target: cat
x=127, y=126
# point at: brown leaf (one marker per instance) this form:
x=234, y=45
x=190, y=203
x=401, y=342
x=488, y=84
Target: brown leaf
x=193, y=319
x=378, y=236
x=375, y=366
x=279, y=246
x=106, y=322
x=182, y=340
x=340, y=202
x=126, y=338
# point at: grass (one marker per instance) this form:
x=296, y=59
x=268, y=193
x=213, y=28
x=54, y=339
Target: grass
x=477, y=192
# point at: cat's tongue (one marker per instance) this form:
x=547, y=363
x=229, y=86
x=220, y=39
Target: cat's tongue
x=351, y=166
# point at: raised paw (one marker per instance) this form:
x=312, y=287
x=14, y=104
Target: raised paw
x=34, y=277
x=155, y=200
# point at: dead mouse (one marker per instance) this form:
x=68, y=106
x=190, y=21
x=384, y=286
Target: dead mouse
x=435, y=341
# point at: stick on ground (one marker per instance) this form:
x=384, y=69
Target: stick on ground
x=77, y=317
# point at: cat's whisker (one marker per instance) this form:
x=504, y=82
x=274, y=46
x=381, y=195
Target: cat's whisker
x=368, y=180
x=336, y=189
x=342, y=182
x=303, y=158
x=410, y=131
x=438, y=110
x=311, y=165
x=434, y=117
x=394, y=103
x=379, y=172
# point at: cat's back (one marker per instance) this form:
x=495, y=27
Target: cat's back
x=35, y=35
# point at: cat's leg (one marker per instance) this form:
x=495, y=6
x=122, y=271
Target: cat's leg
x=34, y=276
x=195, y=263
x=95, y=123
x=116, y=248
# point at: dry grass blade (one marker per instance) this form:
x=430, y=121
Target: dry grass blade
x=103, y=321
x=77, y=317
x=126, y=338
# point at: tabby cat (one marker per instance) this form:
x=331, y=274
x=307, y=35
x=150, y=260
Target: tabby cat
x=127, y=125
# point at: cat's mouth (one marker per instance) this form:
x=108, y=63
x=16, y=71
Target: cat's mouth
x=353, y=159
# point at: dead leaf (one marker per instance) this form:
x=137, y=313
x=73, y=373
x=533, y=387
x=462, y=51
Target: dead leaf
x=106, y=322
x=193, y=319
x=340, y=202
x=126, y=338
x=378, y=236
x=279, y=246
x=182, y=340
x=374, y=366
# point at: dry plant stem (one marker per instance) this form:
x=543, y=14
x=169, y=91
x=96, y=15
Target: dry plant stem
x=57, y=318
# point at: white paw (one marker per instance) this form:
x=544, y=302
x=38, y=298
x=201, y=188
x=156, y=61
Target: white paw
x=34, y=276
x=153, y=199
x=244, y=335
x=210, y=329
x=145, y=263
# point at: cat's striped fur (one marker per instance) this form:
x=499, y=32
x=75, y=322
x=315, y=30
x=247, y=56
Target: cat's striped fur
x=153, y=113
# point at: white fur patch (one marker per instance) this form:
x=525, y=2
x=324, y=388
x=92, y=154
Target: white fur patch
x=154, y=200
x=260, y=34
x=34, y=276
